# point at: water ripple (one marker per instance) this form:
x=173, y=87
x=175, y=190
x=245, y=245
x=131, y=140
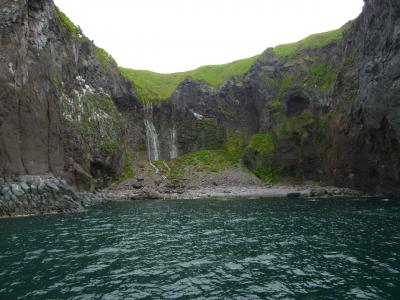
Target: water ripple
x=236, y=249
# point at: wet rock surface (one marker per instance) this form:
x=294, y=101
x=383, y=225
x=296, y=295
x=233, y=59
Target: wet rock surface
x=32, y=195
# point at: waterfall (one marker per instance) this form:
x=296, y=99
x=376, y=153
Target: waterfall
x=174, y=144
x=153, y=145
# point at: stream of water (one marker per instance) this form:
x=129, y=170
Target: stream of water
x=174, y=144
x=152, y=142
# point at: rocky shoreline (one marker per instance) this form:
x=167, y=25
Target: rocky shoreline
x=37, y=195
x=281, y=191
x=306, y=110
x=232, y=182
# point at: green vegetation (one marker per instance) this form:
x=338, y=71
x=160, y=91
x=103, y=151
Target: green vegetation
x=100, y=108
x=319, y=76
x=110, y=146
x=322, y=76
x=208, y=160
x=315, y=41
x=268, y=80
x=212, y=161
x=69, y=25
x=201, y=161
x=153, y=86
x=228, y=156
x=265, y=174
x=86, y=114
x=275, y=104
x=262, y=143
x=128, y=171
x=234, y=146
x=104, y=57
x=295, y=124
x=286, y=83
x=223, y=108
x=208, y=132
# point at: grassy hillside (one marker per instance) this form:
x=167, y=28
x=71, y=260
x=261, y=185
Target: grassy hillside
x=153, y=86
x=317, y=40
x=69, y=25
x=103, y=56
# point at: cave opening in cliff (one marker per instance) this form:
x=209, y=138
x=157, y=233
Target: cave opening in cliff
x=99, y=169
x=296, y=104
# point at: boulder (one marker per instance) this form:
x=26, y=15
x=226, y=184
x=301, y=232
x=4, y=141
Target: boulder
x=318, y=192
x=25, y=187
x=17, y=190
x=293, y=195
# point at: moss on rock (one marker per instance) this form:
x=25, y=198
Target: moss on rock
x=128, y=171
x=68, y=25
x=263, y=144
x=105, y=59
x=295, y=124
x=212, y=161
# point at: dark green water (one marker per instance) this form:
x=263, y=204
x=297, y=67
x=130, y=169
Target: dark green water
x=236, y=249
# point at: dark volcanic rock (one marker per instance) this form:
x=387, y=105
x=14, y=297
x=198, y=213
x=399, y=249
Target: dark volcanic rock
x=332, y=110
x=30, y=120
x=56, y=99
x=329, y=112
x=29, y=195
x=366, y=139
x=293, y=195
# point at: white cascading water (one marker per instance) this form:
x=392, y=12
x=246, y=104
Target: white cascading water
x=174, y=144
x=153, y=145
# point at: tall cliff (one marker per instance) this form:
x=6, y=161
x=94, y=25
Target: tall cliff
x=325, y=108
x=57, y=98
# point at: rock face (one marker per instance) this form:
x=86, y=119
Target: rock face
x=30, y=132
x=330, y=106
x=57, y=113
x=366, y=135
x=204, y=117
x=35, y=194
x=326, y=108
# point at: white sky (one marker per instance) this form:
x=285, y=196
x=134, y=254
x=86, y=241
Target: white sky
x=179, y=35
